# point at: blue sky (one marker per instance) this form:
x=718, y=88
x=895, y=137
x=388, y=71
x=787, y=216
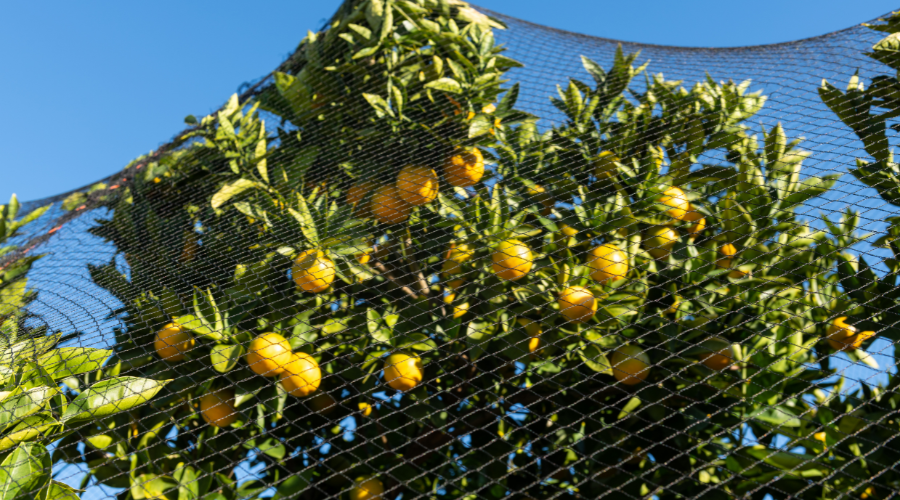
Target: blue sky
x=90, y=85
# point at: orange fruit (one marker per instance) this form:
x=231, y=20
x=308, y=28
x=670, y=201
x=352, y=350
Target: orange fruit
x=534, y=331
x=456, y=257
x=313, y=271
x=365, y=257
x=512, y=260
x=845, y=337
x=323, y=403
x=388, y=207
x=172, y=342
x=365, y=409
x=358, y=191
x=403, y=371
x=567, y=231
x=630, y=364
x=367, y=488
x=577, y=304
x=697, y=228
x=417, y=185
x=678, y=204
x=719, y=360
x=217, y=408
x=540, y=195
x=268, y=354
x=607, y=262
x=460, y=310
x=659, y=240
x=464, y=168
x=605, y=165
x=301, y=375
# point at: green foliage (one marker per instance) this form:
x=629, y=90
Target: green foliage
x=213, y=233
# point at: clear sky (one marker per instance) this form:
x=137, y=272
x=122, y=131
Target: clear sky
x=90, y=85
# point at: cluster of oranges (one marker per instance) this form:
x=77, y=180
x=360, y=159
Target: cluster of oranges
x=415, y=185
x=270, y=355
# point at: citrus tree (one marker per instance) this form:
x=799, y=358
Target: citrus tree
x=46, y=393
x=621, y=302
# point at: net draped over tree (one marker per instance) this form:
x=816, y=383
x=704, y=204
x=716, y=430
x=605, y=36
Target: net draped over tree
x=443, y=253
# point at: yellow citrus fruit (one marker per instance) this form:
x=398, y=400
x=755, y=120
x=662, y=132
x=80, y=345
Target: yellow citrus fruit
x=464, y=168
x=365, y=409
x=358, y=191
x=403, y=371
x=678, y=204
x=540, y=194
x=719, y=360
x=605, y=165
x=568, y=231
x=301, y=375
x=456, y=257
x=313, y=271
x=577, y=304
x=268, y=354
x=417, y=185
x=845, y=337
x=323, y=403
x=217, y=408
x=388, y=207
x=727, y=250
x=172, y=342
x=630, y=364
x=460, y=310
x=659, y=240
x=367, y=488
x=607, y=262
x=365, y=257
x=697, y=228
x=534, y=331
x=868, y=493
x=512, y=260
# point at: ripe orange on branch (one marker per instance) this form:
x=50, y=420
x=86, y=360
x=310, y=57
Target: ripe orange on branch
x=172, y=342
x=268, y=354
x=659, y=240
x=512, y=260
x=388, y=207
x=845, y=337
x=313, y=271
x=403, y=371
x=630, y=364
x=301, y=375
x=464, y=168
x=607, y=262
x=417, y=185
x=577, y=304
x=217, y=408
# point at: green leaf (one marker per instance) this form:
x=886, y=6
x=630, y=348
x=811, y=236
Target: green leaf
x=446, y=84
x=188, y=487
x=479, y=125
x=416, y=341
x=595, y=359
x=380, y=105
x=30, y=428
x=54, y=490
x=224, y=357
x=232, y=189
x=777, y=416
x=305, y=219
x=28, y=349
x=153, y=487
x=198, y=326
x=20, y=403
x=24, y=471
x=68, y=361
x=632, y=405
x=108, y=397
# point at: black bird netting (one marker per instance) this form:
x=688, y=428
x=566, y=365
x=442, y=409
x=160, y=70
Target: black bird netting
x=443, y=253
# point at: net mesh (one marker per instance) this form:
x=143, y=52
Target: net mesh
x=445, y=253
